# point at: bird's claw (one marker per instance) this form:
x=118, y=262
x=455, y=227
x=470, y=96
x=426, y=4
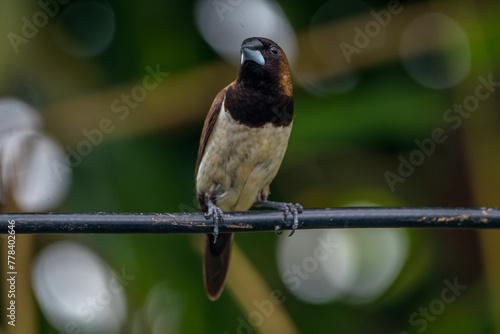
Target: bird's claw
x=294, y=210
x=277, y=230
x=216, y=214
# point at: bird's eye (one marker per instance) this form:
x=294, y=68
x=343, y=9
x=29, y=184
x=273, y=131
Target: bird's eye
x=274, y=50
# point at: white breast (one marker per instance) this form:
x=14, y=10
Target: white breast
x=240, y=161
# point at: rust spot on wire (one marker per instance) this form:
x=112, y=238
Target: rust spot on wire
x=445, y=220
x=242, y=227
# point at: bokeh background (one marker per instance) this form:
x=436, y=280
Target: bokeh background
x=396, y=104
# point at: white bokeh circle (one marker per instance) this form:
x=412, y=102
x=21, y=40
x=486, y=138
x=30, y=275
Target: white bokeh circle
x=27, y=160
x=444, y=65
x=85, y=28
x=356, y=266
x=224, y=25
x=317, y=266
x=76, y=289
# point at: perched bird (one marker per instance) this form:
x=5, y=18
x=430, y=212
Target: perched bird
x=242, y=144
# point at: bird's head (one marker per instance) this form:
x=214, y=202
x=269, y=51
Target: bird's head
x=264, y=62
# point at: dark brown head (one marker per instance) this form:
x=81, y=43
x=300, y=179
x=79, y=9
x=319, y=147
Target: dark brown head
x=262, y=92
x=263, y=61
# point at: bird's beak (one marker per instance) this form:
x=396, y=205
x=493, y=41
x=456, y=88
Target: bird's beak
x=251, y=49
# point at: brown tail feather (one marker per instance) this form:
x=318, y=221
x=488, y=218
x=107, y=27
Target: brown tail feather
x=216, y=263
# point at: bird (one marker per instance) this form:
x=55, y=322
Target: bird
x=242, y=145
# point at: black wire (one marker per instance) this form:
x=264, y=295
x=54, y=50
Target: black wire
x=370, y=217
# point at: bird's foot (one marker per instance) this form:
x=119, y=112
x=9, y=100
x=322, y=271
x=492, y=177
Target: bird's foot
x=294, y=210
x=216, y=214
x=288, y=209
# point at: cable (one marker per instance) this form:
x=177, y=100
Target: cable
x=368, y=217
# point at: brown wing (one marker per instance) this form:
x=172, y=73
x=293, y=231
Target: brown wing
x=217, y=255
x=212, y=116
